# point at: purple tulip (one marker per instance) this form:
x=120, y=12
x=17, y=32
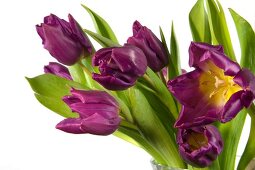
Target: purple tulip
x=216, y=90
x=64, y=40
x=199, y=146
x=98, y=113
x=119, y=66
x=152, y=47
x=57, y=69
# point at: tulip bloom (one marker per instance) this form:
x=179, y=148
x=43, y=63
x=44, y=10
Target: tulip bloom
x=57, y=69
x=119, y=66
x=152, y=47
x=64, y=40
x=199, y=146
x=216, y=90
x=98, y=113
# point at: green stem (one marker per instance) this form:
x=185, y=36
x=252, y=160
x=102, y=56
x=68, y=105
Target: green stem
x=85, y=69
x=249, y=151
x=162, y=77
x=134, y=137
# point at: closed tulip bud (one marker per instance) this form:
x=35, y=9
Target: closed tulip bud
x=152, y=47
x=58, y=70
x=64, y=40
x=199, y=146
x=98, y=113
x=119, y=66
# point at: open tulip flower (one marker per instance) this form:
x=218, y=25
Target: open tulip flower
x=216, y=90
x=200, y=146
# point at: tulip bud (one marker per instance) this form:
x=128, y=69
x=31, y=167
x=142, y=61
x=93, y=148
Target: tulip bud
x=64, y=40
x=152, y=47
x=98, y=113
x=119, y=66
x=199, y=146
x=57, y=69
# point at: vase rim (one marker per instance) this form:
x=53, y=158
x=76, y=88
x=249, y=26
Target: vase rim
x=165, y=167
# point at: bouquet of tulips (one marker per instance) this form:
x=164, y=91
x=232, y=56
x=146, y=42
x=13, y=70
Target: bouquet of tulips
x=138, y=92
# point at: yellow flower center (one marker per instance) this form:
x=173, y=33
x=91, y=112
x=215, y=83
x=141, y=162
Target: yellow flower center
x=215, y=85
x=197, y=140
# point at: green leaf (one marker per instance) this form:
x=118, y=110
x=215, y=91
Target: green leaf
x=56, y=105
x=199, y=25
x=49, y=90
x=218, y=27
x=172, y=69
x=247, y=41
x=153, y=130
x=231, y=133
x=52, y=86
x=101, y=26
x=103, y=41
x=162, y=92
x=77, y=73
x=132, y=135
x=161, y=111
x=174, y=50
x=249, y=151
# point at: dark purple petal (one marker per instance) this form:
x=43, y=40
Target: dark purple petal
x=94, y=97
x=136, y=27
x=186, y=88
x=202, y=114
x=201, y=53
x=152, y=47
x=232, y=107
x=77, y=31
x=130, y=59
x=246, y=80
x=112, y=83
x=199, y=146
x=99, y=125
x=57, y=69
x=71, y=125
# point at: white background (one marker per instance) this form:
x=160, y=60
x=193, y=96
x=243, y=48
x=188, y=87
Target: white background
x=28, y=139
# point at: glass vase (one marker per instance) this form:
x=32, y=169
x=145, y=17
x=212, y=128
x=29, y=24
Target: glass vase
x=156, y=166
x=251, y=165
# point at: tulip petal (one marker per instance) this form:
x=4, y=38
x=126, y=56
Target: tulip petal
x=71, y=125
x=130, y=59
x=95, y=97
x=98, y=125
x=77, y=31
x=200, y=53
x=186, y=88
x=57, y=69
x=112, y=83
x=202, y=114
x=246, y=80
x=232, y=107
x=151, y=46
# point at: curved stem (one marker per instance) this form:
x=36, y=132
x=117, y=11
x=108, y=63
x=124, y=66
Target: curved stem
x=249, y=151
